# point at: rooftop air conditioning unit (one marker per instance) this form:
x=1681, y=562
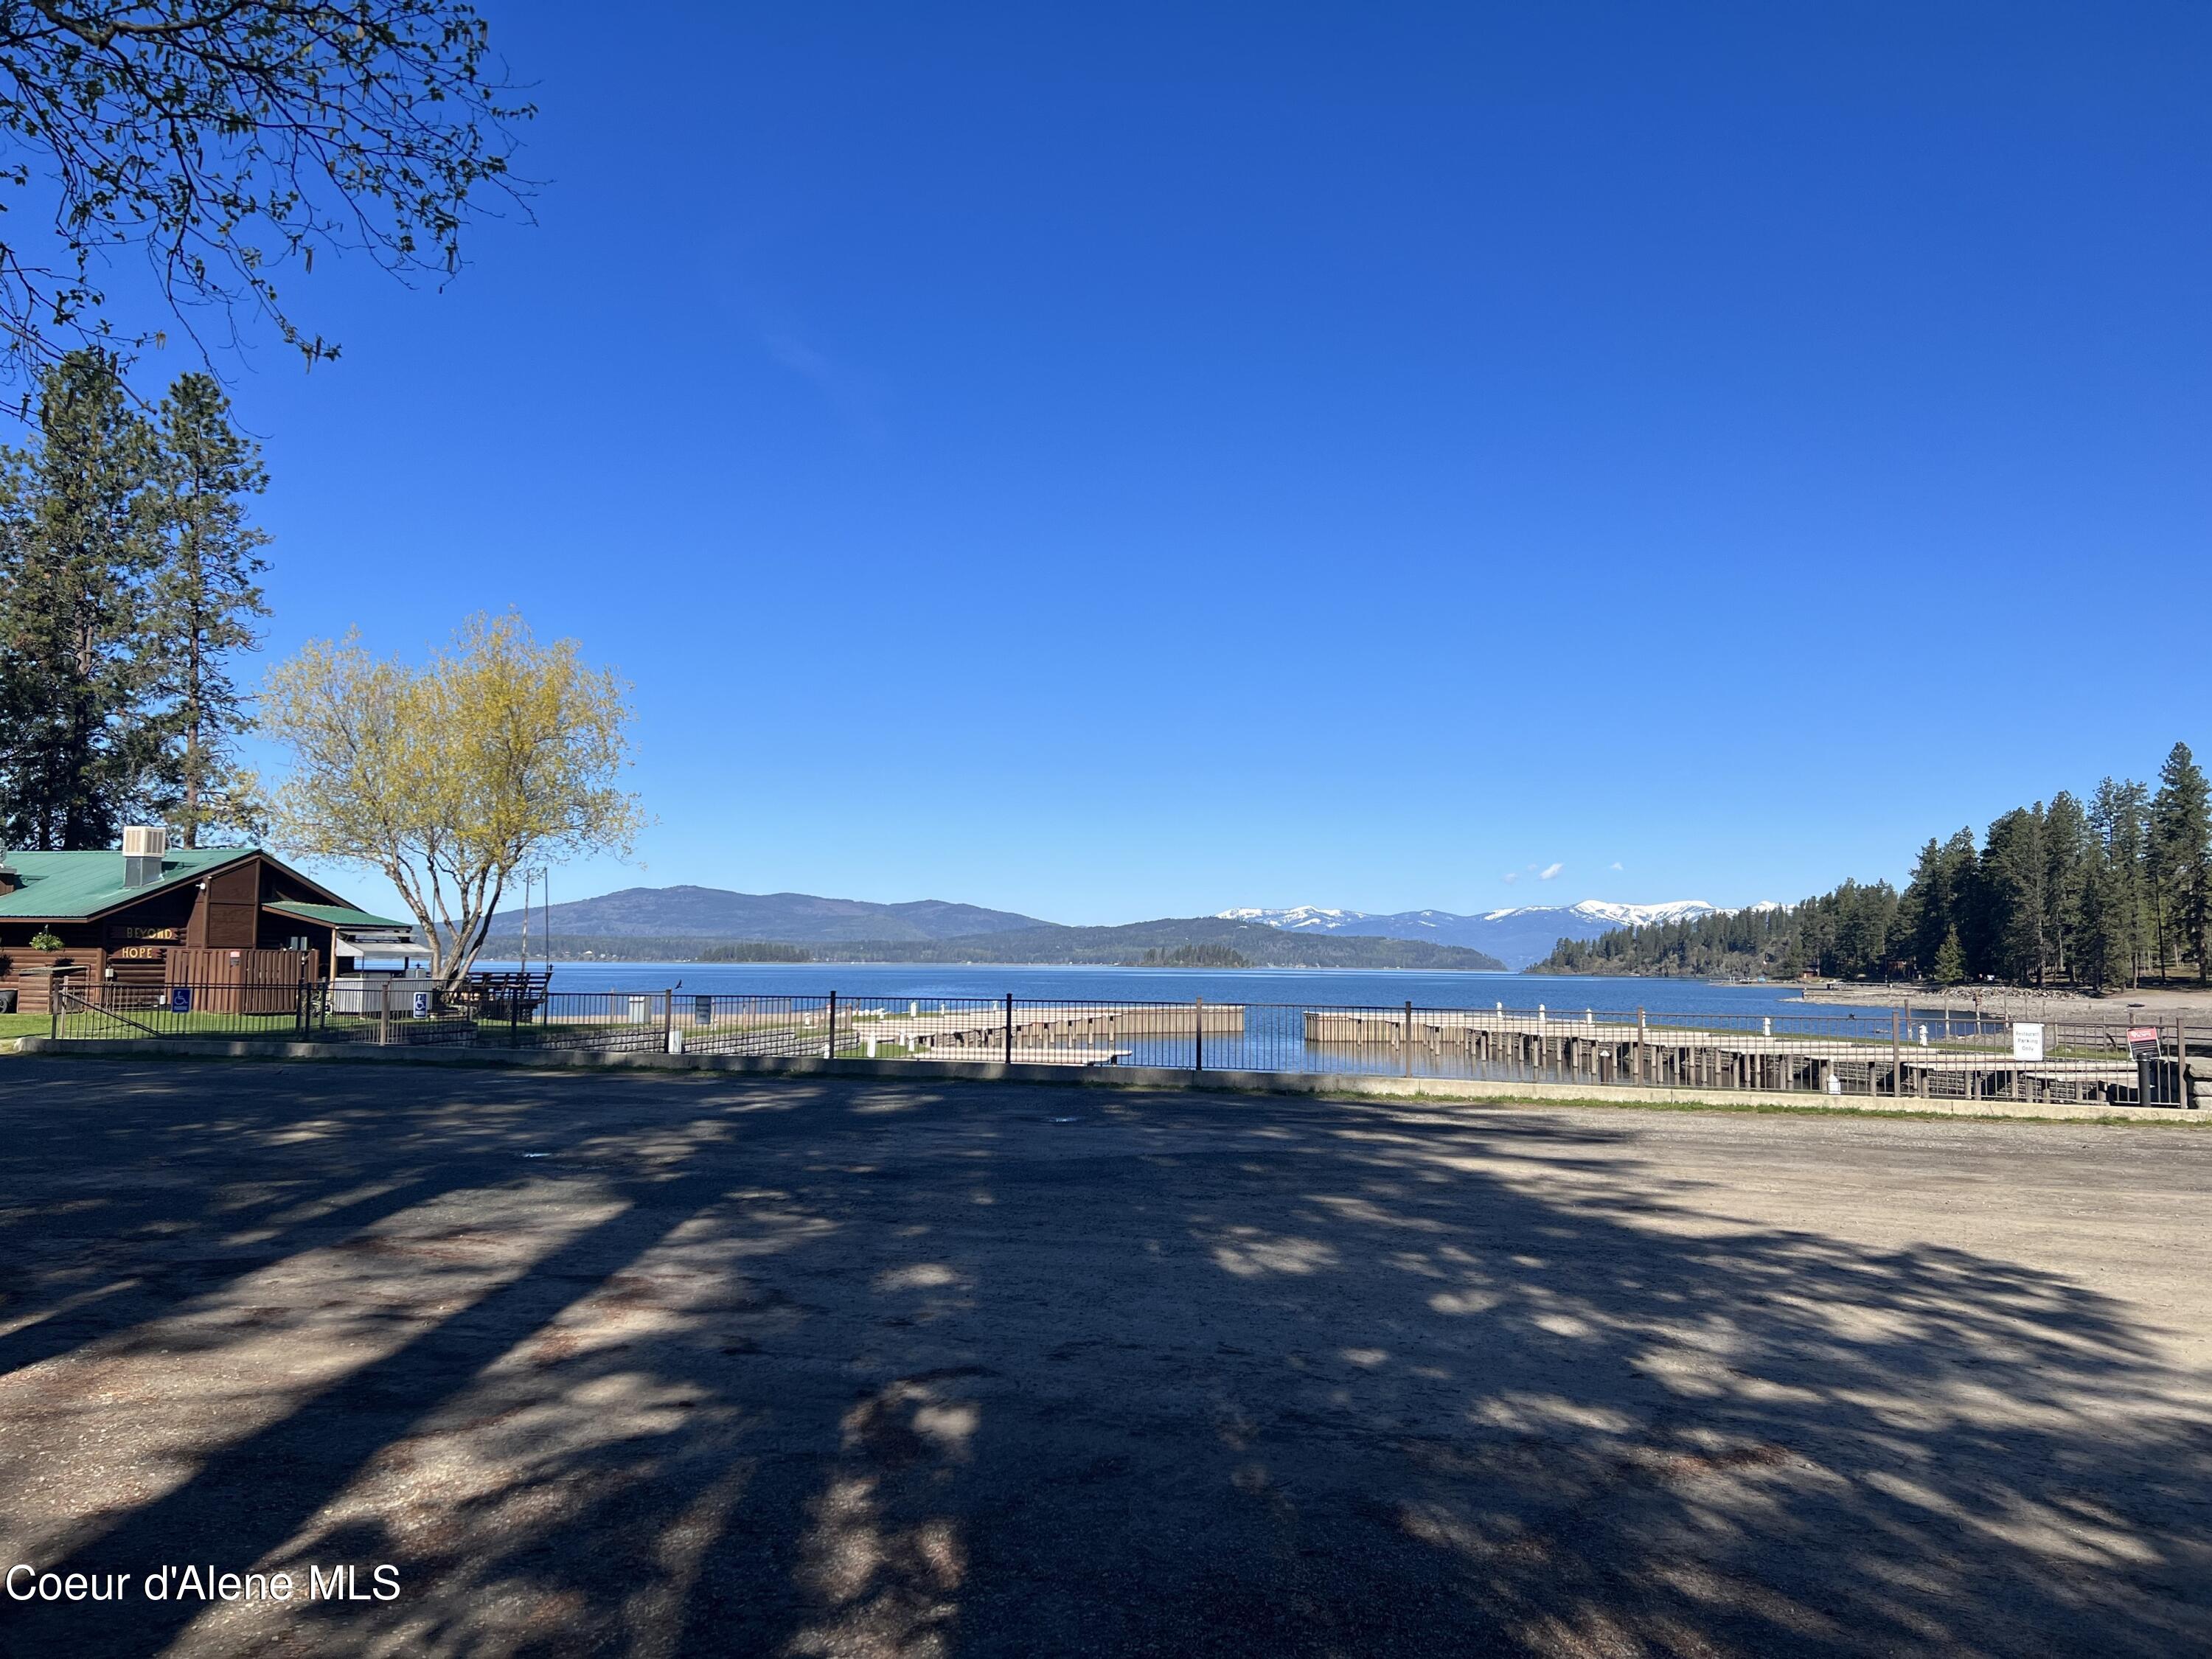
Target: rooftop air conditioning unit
x=145, y=847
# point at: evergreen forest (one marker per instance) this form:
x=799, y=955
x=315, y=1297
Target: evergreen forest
x=2114, y=891
x=129, y=582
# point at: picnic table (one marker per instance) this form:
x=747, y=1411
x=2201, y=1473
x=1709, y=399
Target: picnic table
x=504, y=995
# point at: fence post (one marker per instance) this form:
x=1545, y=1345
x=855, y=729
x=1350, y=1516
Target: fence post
x=668, y=1021
x=1198, y=1034
x=1896, y=1053
x=383, y=1011
x=1409, y=1058
x=1010, y=1028
x=829, y=1048
x=1640, y=1040
x=54, y=994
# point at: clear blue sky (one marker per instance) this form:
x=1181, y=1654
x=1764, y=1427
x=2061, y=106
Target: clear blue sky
x=1133, y=460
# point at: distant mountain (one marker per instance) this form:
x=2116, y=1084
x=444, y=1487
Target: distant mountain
x=1260, y=945
x=713, y=913
x=1199, y=941
x=1518, y=936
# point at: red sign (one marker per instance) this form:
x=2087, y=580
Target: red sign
x=2142, y=1039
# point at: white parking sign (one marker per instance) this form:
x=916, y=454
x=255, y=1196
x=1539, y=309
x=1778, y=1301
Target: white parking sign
x=421, y=1005
x=2027, y=1042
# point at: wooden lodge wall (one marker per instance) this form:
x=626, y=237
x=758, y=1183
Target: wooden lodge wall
x=244, y=982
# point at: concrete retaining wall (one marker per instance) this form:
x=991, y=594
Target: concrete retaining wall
x=1105, y=1077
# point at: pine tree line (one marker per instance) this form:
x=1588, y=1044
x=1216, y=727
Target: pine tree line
x=2091, y=895
x=128, y=582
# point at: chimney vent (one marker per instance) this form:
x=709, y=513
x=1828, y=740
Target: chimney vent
x=145, y=847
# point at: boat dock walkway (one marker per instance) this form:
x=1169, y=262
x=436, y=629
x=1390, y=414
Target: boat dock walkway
x=1662, y=1056
x=1040, y=1035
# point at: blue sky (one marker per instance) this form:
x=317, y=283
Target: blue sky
x=1133, y=461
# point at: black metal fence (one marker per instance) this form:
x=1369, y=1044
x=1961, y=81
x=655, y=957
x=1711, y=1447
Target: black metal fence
x=1900, y=1054
x=623, y=1021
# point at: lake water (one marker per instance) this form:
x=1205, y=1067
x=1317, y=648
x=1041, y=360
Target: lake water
x=1267, y=1030
x=1375, y=988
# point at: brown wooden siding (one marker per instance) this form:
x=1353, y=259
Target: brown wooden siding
x=246, y=981
x=229, y=917
x=143, y=941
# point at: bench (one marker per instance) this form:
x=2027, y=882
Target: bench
x=512, y=997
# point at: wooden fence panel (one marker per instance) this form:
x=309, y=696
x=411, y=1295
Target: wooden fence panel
x=241, y=981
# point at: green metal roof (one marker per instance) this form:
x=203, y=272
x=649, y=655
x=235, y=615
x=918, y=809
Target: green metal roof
x=75, y=886
x=332, y=915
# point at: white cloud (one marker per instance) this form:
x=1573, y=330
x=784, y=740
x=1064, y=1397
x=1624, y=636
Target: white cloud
x=1616, y=864
x=1549, y=871
x=1511, y=875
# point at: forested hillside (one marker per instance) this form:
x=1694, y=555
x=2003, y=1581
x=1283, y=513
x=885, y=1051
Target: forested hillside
x=1190, y=942
x=2108, y=892
x=1256, y=945
x=714, y=913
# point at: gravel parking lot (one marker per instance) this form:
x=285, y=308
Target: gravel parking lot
x=667, y=1364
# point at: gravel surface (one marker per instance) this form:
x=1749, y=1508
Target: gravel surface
x=669, y=1364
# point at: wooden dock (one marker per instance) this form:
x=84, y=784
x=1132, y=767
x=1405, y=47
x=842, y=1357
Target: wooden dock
x=1660, y=1056
x=960, y=1034
x=1077, y=1056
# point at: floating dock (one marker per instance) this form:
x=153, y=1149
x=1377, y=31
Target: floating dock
x=1661, y=1056
x=1063, y=1027
x=1059, y=1056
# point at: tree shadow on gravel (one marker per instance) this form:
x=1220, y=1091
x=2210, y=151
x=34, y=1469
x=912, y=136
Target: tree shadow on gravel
x=851, y=1368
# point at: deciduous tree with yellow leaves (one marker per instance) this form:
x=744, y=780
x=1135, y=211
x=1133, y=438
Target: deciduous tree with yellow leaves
x=500, y=753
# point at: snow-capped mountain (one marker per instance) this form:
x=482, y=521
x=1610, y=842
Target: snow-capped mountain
x=1300, y=919
x=1615, y=916
x=1518, y=936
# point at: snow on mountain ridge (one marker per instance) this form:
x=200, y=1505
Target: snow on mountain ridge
x=1294, y=918
x=1516, y=936
x=1622, y=915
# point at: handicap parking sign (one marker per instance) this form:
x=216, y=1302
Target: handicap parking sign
x=180, y=999
x=421, y=1005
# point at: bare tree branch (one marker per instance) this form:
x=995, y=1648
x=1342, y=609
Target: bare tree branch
x=229, y=141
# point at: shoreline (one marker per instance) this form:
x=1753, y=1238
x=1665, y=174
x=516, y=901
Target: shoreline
x=2188, y=1001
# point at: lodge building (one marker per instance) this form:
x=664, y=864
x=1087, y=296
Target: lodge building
x=153, y=916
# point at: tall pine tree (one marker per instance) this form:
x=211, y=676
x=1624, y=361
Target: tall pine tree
x=2118, y=814
x=2014, y=868
x=2066, y=849
x=203, y=599
x=2181, y=837
x=1925, y=914
x=74, y=741
x=1965, y=907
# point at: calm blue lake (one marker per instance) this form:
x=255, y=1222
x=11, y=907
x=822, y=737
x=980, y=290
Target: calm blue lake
x=1381, y=987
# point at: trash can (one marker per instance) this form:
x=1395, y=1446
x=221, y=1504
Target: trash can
x=2158, y=1081
x=8, y=1001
